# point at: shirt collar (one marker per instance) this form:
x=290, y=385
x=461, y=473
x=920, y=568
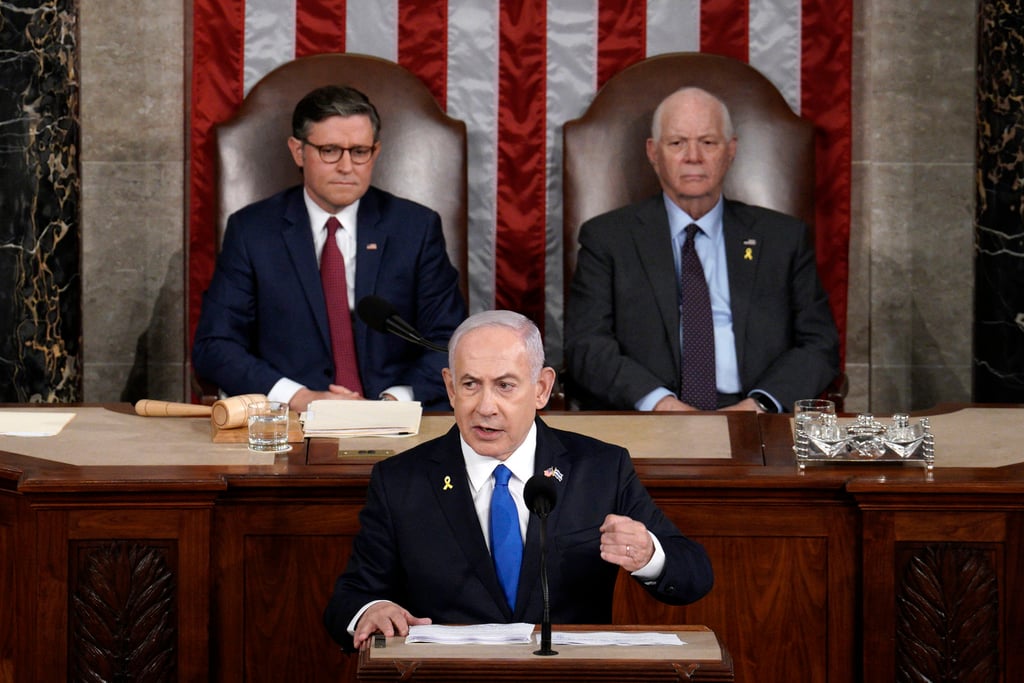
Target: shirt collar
x=318, y=217
x=521, y=462
x=710, y=223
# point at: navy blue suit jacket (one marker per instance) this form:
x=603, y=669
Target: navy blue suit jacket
x=264, y=315
x=622, y=315
x=421, y=546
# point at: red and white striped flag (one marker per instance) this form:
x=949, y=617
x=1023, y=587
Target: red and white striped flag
x=514, y=71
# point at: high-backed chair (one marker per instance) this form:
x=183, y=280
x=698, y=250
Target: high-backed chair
x=422, y=158
x=606, y=166
x=423, y=150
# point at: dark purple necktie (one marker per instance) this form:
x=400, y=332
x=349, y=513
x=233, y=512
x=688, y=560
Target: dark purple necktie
x=339, y=317
x=698, y=376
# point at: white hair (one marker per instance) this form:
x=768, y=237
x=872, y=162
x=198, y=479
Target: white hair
x=518, y=323
x=727, y=128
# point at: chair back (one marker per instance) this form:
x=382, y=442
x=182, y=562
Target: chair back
x=605, y=162
x=423, y=150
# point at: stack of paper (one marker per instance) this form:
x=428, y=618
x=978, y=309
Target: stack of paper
x=492, y=634
x=362, y=418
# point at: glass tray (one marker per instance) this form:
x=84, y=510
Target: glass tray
x=865, y=440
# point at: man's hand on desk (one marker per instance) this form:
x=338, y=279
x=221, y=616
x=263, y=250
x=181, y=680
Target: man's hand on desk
x=672, y=403
x=303, y=397
x=386, y=618
x=746, y=404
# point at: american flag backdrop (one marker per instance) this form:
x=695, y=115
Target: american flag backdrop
x=514, y=71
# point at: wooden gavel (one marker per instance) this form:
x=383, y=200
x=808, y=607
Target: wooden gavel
x=226, y=413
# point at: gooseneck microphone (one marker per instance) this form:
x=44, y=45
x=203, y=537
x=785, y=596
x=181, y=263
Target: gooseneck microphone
x=379, y=314
x=539, y=495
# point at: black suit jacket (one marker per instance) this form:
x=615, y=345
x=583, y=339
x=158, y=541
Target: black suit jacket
x=421, y=546
x=264, y=316
x=622, y=316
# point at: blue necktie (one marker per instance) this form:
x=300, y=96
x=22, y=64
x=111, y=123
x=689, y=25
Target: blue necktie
x=506, y=543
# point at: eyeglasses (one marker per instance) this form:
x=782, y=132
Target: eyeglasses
x=331, y=154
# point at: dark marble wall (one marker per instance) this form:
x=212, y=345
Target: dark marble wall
x=999, y=229
x=40, y=282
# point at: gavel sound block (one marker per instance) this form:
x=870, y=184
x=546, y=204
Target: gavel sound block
x=226, y=416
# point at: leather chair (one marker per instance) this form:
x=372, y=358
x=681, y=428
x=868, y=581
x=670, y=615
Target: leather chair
x=423, y=151
x=605, y=163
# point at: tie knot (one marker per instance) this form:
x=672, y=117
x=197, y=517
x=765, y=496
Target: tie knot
x=501, y=475
x=332, y=224
x=691, y=230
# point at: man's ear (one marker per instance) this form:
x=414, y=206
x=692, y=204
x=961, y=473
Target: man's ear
x=545, y=383
x=449, y=384
x=295, y=147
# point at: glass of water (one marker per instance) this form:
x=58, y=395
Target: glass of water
x=268, y=426
x=808, y=412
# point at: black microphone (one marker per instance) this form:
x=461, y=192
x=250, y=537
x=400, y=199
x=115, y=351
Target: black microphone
x=379, y=314
x=540, y=496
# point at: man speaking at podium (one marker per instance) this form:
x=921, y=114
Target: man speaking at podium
x=441, y=536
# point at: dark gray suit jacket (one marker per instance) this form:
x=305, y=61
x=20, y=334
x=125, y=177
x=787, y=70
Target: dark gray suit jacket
x=622, y=316
x=421, y=546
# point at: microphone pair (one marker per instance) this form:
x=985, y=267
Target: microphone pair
x=381, y=315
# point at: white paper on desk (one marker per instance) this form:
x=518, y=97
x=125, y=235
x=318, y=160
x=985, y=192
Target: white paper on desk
x=613, y=638
x=493, y=634
x=42, y=422
x=362, y=418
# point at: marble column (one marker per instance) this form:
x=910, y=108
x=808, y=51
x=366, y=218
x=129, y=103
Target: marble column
x=999, y=229
x=40, y=253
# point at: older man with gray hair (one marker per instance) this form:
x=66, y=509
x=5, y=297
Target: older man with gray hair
x=446, y=536
x=692, y=301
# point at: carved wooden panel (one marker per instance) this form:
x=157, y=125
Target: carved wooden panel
x=122, y=616
x=947, y=614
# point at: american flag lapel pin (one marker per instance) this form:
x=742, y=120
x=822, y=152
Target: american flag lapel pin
x=372, y=246
x=553, y=472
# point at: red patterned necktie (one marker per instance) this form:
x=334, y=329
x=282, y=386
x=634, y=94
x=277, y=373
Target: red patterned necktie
x=698, y=376
x=339, y=317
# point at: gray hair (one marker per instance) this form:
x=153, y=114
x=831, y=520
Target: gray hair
x=332, y=100
x=727, y=128
x=520, y=324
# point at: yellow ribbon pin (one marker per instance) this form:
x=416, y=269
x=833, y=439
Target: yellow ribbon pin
x=748, y=255
x=447, y=484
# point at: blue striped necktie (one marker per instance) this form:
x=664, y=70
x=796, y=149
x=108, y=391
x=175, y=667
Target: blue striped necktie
x=506, y=542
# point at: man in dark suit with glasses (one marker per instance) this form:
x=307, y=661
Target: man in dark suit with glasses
x=277, y=317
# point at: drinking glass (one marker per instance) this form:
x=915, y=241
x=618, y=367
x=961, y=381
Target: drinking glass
x=268, y=426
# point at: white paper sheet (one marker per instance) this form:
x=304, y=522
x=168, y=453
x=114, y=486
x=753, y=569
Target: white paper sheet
x=33, y=423
x=613, y=638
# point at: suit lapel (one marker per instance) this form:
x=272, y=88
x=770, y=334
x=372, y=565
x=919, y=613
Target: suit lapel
x=549, y=458
x=653, y=240
x=456, y=503
x=298, y=240
x=371, y=240
x=743, y=245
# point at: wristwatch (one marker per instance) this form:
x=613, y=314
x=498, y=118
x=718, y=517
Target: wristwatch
x=763, y=402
